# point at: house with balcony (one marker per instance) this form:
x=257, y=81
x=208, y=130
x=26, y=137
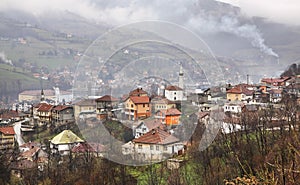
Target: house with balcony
x=7, y=138
x=62, y=114
x=137, y=107
x=84, y=106
x=105, y=106
x=44, y=113
x=160, y=103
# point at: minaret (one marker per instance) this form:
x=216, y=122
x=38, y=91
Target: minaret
x=42, y=95
x=180, y=84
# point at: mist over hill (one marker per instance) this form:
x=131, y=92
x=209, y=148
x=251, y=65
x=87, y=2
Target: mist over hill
x=242, y=44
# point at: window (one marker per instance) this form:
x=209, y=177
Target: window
x=165, y=148
x=174, y=98
x=131, y=105
x=157, y=147
x=143, y=105
x=140, y=146
x=151, y=147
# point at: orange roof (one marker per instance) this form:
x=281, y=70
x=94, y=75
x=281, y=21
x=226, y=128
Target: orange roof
x=106, y=98
x=139, y=99
x=45, y=107
x=7, y=130
x=156, y=136
x=173, y=88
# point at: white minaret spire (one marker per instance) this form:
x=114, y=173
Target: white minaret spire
x=180, y=84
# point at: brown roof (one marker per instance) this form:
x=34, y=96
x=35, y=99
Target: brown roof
x=173, y=88
x=61, y=107
x=30, y=153
x=173, y=111
x=106, y=98
x=139, y=99
x=275, y=80
x=137, y=92
x=86, y=102
x=153, y=124
x=45, y=107
x=156, y=136
x=83, y=147
x=162, y=100
x=8, y=114
x=240, y=89
x=203, y=114
x=7, y=130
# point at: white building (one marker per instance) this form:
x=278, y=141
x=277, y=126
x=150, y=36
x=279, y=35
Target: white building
x=174, y=93
x=234, y=107
x=64, y=142
x=155, y=145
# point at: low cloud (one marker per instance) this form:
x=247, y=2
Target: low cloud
x=203, y=16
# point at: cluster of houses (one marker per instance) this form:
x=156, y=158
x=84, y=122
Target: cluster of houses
x=268, y=91
x=152, y=119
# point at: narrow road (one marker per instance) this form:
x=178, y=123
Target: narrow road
x=17, y=128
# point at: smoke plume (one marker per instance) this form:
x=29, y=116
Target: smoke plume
x=4, y=60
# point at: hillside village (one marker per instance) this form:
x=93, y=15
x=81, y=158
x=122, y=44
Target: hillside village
x=43, y=125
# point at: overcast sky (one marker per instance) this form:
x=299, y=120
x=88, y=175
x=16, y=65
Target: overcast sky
x=286, y=12
x=121, y=11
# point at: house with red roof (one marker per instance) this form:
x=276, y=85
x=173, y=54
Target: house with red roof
x=278, y=82
x=155, y=145
x=7, y=137
x=44, y=113
x=137, y=107
x=240, y=92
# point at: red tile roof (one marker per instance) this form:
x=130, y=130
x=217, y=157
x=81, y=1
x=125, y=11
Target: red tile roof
x=173, y=88
x=139, y=99
x=7, y=130
x=106, y=98
x=45, y=107
x=156, y=136
x=275, y=80
x=240, y=89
